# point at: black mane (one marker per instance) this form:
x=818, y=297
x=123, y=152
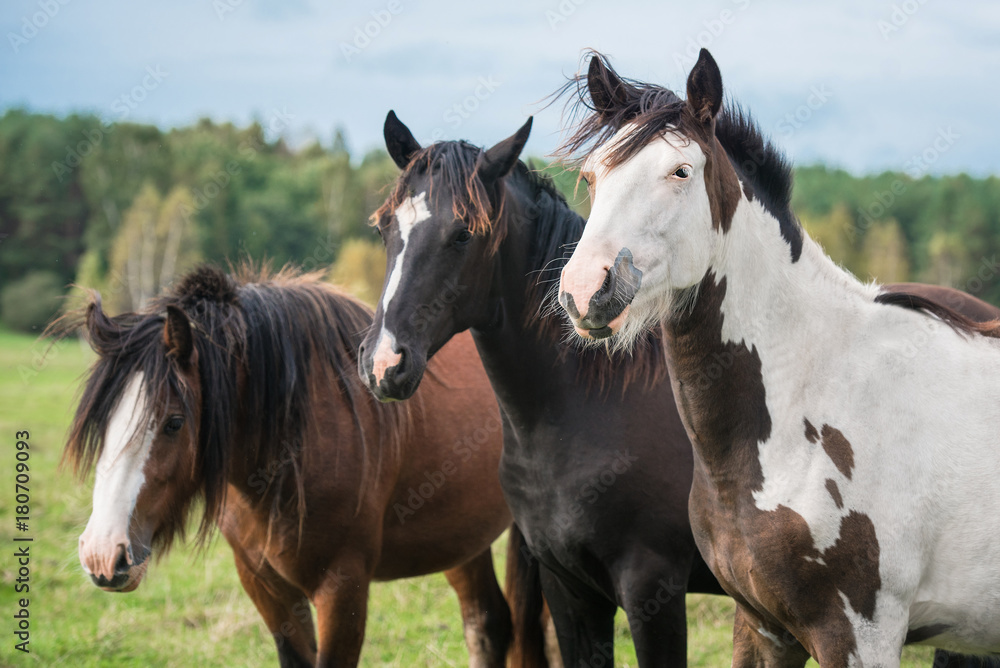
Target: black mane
x=762, y=168
x=276, y=331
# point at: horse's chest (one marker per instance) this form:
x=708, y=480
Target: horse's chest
x=569, y=503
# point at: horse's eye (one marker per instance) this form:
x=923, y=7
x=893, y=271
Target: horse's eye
x=463, y=237
x=682, y=172
x=173, y=424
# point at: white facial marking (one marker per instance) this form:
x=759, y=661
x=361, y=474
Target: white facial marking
x=119, y=478
x=385, y=356
x=408, y=215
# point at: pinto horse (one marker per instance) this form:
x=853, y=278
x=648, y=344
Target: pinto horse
x=595, y=467
x=241, y=390
x=845, y=487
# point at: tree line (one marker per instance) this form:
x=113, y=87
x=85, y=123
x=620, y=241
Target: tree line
x=125, y=208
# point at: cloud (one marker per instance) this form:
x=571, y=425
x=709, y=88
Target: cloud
x=892, y=87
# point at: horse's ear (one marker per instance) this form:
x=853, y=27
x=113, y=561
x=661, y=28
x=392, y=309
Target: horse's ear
x=399, y=141
x=704, y=88
x=177, y=335
x=607, y=90
x=496, y=162
x=97, y=323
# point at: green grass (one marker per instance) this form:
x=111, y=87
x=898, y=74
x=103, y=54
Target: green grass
x=191, y=610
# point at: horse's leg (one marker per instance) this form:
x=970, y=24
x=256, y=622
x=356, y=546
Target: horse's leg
x=284, y=608
x=485, y=615
x=585, y=624
x=531, y=617
x=759, y=645
x=652, y=595
x=552, y=656
x=341, y=602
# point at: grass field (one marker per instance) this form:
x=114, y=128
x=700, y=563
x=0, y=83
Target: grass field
x=191, y=610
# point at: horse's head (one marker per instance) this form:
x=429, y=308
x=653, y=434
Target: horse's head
x=663, y=193
x=139, y=417
x=440, y=233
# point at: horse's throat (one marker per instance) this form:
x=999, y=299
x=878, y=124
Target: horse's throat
x=718, y=383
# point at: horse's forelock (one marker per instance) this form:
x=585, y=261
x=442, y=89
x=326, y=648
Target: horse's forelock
x=122, y=344
x=450, y=166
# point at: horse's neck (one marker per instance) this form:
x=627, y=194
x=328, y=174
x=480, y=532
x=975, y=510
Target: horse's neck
x=774, y=302
x=759, y=330
x=520, y=357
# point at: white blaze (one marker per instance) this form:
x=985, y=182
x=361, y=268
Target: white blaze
x=409, y=214
x=118, y=480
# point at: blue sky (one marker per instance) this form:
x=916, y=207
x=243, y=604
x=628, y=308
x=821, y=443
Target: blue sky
x=862, y=85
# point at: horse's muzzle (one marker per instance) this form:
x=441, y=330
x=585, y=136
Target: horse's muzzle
x=395, y=382
x=607, y=307
x=126, y=576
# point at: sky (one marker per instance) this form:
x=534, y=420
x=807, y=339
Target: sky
x=906, y=85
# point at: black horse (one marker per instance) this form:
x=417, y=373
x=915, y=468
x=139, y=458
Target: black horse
x=595, y=468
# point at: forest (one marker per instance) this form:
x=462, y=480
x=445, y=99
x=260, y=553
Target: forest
x=125, y=208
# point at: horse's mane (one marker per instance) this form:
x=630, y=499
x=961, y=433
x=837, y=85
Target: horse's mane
x=273, y=330
x=652, y=111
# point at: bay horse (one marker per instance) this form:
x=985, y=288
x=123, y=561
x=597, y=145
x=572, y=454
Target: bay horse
x=596, y=466
x=845, y=487
x=240, y=390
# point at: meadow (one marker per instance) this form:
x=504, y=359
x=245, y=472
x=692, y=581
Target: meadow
x=191, y=609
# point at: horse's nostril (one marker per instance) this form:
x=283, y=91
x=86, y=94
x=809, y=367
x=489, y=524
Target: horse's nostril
x=401, y=365
x=122, y=564
x=606, y=285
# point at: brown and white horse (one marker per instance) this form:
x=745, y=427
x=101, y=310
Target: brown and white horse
x=847, y=473
x=242, y=391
